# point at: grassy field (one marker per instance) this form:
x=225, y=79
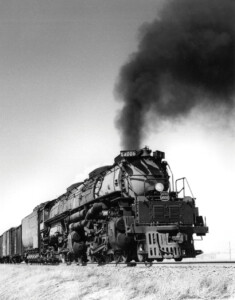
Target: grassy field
x=110, y=282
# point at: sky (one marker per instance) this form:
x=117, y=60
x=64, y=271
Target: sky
x=59, y=63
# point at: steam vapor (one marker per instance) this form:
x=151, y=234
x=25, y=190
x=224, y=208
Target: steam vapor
x=185, y=59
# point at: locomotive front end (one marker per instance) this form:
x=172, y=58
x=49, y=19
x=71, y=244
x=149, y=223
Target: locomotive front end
x=164, y=219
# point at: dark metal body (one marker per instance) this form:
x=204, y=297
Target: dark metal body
x=125, y=211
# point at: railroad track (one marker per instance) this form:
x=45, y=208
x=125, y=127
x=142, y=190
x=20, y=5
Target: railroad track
x=195, y=262
x=184, y=263
x=148, y=264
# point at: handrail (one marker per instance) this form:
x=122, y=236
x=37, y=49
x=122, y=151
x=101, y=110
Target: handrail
x=183, y=188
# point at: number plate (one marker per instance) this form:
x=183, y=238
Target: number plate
x=165, y=196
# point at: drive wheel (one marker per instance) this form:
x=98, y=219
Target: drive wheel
x=120, y=257
x=90, y=257
x=109, y=258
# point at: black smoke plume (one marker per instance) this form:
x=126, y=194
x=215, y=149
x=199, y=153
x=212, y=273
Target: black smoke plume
x=185, y=59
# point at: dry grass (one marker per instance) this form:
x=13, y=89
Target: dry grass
x=114, y=283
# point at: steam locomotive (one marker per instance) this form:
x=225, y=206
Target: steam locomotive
x=127, y=211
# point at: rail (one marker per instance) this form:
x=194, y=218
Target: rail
x=184, y=179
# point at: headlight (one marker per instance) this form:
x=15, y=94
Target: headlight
x=159, y=187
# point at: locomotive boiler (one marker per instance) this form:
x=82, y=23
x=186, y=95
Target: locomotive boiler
x=127, y=211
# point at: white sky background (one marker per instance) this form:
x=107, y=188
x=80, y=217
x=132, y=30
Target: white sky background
x=59, y=61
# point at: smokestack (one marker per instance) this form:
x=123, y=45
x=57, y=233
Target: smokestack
x=185, y=59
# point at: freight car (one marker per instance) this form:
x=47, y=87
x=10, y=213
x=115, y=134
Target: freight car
x=7, y=245
x=17, y=244
x=11, y=245
x=130, y=210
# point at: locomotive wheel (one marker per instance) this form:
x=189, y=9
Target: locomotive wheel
x=100, y=259
x=178, y=259
x=142, y=257
x=120, y=258
x=109, y=258
x=159, y=259
x=91, y=258
x=148, y=262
